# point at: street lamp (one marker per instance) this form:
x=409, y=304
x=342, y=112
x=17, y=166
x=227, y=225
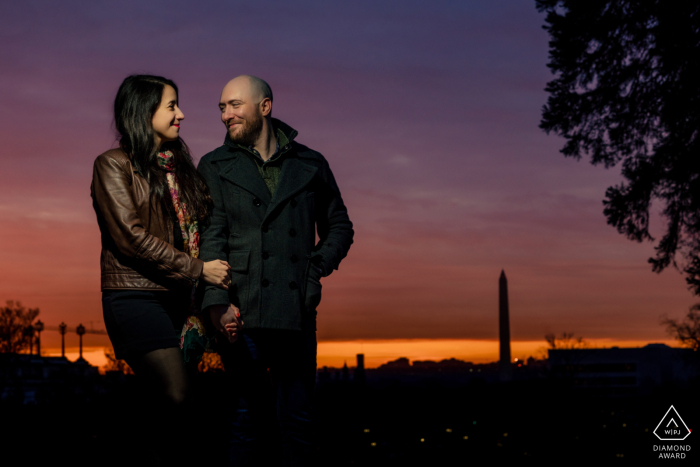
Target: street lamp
x=62, y=329
x=29, y=334
x=39, y=326
x=80, y=330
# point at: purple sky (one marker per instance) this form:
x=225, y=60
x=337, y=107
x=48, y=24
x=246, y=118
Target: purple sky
x=427, y=113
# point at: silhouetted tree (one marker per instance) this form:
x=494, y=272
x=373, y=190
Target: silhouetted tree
x=16, y=327
x=628, y=91
x=113, y=364
x=688, y=330
x=566, y=341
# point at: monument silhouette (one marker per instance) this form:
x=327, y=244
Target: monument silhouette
x=504, y=367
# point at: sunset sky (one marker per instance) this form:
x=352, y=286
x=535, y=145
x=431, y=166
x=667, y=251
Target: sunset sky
x=428, y=114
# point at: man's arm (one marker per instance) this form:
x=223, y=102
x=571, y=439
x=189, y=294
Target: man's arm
x=214, y=239
x=334, y=227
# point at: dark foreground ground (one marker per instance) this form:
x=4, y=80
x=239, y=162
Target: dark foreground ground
x=386, y=423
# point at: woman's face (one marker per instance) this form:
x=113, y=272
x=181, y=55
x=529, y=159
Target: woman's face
x=166, y=120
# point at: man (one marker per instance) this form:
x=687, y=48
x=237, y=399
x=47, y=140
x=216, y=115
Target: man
x=271, y=195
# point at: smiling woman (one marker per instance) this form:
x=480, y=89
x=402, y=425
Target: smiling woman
x=150, y=201
x=166, y=120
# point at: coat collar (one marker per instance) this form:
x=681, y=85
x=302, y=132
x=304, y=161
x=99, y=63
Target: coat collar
x=240, y=170
x=294, y=176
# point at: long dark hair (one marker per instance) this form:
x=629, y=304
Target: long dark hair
x=137, y=100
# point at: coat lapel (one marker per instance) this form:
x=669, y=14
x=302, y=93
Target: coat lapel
x=241, y=171
x=294, y=176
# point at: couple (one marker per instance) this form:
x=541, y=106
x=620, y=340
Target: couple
x=227, y=251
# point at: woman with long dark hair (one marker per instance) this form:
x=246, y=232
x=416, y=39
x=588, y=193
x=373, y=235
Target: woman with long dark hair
x=150, y=203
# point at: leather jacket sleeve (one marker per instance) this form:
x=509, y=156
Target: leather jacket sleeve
x=112, y=191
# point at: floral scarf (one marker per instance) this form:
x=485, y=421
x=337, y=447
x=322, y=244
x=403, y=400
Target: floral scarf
x=188, y=226
x=194, y=339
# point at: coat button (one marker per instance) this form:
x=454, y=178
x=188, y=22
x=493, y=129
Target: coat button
x=257, y=202
x=292, y=233
x=265, y=282
x=264, y=229
x=293, y=203
x=294, y=258
x=265, y=255
x=293, y=285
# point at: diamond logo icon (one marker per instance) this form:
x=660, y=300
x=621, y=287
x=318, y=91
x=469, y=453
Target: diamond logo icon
x=672, y=427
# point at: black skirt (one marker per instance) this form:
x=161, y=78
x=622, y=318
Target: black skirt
x=139, y=321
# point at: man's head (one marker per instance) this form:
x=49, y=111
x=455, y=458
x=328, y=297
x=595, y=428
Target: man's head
x=246, y=101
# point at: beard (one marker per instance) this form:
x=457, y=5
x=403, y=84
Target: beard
x=250, y=131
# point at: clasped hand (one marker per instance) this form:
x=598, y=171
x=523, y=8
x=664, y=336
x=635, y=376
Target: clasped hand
x=227, y=320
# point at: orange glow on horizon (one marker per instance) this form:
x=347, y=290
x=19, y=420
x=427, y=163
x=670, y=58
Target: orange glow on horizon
x=94, y=355
x=337, y=353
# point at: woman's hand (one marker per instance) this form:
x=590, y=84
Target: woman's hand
x=227, y=320
x=217, y=273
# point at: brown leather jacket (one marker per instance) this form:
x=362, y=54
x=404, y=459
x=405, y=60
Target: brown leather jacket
x=137, y=238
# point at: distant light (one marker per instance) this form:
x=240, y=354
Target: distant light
x=624, y=425
x=471, y=369
x=474, y=422
x=422, y=440
x=646, y=430
x=366, y=430
x=505, y=435
x=466, y=437
x=374, y=444
x=449, y=430
x=603, y=426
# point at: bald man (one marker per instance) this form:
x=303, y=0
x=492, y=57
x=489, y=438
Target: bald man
x=271, y=196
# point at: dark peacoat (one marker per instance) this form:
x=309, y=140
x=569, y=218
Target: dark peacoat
x=270, y=240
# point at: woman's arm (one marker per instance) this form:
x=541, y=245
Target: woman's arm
x=112, y=192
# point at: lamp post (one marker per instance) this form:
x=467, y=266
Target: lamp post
x=29, y=333
x=62, y=329
x=39, y=326
x=80, y=330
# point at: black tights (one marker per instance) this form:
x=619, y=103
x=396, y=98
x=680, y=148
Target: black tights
x=166, y=408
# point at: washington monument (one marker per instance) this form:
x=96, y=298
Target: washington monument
x=505, y=369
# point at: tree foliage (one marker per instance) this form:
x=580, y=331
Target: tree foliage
x=16, y=327
x=211, y=362
x=688, y=330
x=566, y=341
x=627, y=90
x=113, y=364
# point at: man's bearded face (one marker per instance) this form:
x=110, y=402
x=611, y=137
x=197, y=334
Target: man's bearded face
x=246, y=131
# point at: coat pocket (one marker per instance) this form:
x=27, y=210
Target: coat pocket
x=240, y=279
x=312, y=295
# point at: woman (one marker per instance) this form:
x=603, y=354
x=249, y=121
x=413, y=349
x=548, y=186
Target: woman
x=150, y=202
